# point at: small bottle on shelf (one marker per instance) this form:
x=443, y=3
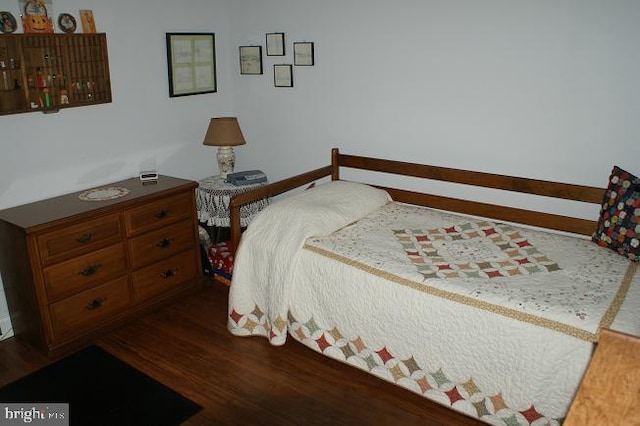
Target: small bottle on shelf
x=4, y=81
x=47, y=97
x=40, y=82
x=64, y=97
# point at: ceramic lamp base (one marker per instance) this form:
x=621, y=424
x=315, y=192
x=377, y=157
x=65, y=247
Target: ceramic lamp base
x=226, y=160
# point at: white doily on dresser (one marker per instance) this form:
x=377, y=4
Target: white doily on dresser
x=103, y=194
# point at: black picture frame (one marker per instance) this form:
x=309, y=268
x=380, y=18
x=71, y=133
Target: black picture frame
x=67, y=23
x=275, y=44
x=283, y=75
x=191, y=62
x=250, y=60
x=303, y=55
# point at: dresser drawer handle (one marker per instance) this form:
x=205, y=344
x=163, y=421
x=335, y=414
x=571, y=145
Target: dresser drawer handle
x=90, y=270
x=162, y=213
x=95, y=304
x=168, y=273
x=83, y=239
x=164, y=243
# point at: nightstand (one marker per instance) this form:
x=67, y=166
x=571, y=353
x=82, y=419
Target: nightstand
x=213, y=196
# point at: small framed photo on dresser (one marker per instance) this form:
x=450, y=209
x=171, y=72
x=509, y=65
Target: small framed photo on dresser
x=303, y=53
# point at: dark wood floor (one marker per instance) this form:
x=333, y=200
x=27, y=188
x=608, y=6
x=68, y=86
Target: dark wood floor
x=245, y=381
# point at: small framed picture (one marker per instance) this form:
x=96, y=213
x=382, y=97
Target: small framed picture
x=275, y=44
x=251, y=60
x=303, y=53
x=88, y=21
x=8, y=23
x=67, y=23
x=283, y=75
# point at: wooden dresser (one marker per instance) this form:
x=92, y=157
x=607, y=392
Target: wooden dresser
x=73, y=269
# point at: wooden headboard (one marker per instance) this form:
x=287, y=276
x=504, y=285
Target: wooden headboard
x=587, y=194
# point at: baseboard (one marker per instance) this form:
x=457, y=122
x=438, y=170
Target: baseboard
x=6, y=329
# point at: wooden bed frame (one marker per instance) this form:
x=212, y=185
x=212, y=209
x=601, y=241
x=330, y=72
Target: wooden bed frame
x=616, y=359
x=587, y=194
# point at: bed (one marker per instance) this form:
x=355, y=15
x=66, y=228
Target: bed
x=493, y=311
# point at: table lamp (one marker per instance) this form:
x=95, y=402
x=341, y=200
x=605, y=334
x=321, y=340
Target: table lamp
x=225, y=133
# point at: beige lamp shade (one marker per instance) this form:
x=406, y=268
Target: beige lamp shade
x=224, y=131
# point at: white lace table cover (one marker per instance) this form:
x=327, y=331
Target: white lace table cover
x=213, y=196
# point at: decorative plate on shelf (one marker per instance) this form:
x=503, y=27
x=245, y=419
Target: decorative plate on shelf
x=8, y=23
x=67, y=23
x=103, y=194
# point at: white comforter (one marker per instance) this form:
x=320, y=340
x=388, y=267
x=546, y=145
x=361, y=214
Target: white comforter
x=271, y=245
x=495, y=367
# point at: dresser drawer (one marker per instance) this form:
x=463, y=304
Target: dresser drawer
x=81, y=273
x=79, y=239
x=150, y=247
x=158, y=213
x=87, y=310
x=165, y=275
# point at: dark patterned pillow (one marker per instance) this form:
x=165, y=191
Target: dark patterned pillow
x=619, y=223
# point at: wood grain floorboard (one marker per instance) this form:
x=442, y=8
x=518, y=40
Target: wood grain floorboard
x=246, y=381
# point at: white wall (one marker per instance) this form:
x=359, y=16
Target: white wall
x=545, y=89
x=46, y=155
x=534, y=88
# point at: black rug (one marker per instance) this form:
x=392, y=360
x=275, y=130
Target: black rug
x=101, y=390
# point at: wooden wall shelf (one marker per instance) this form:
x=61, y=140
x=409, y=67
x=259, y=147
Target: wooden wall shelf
x=49, y=72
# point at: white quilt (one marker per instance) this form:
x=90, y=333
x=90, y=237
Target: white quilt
x=556, y=281
x=271, y=245
x=473, y=357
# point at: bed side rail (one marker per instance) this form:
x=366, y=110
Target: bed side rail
x=552, y=189
x=504, y=213
x=266, y=191
x=588, y=194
